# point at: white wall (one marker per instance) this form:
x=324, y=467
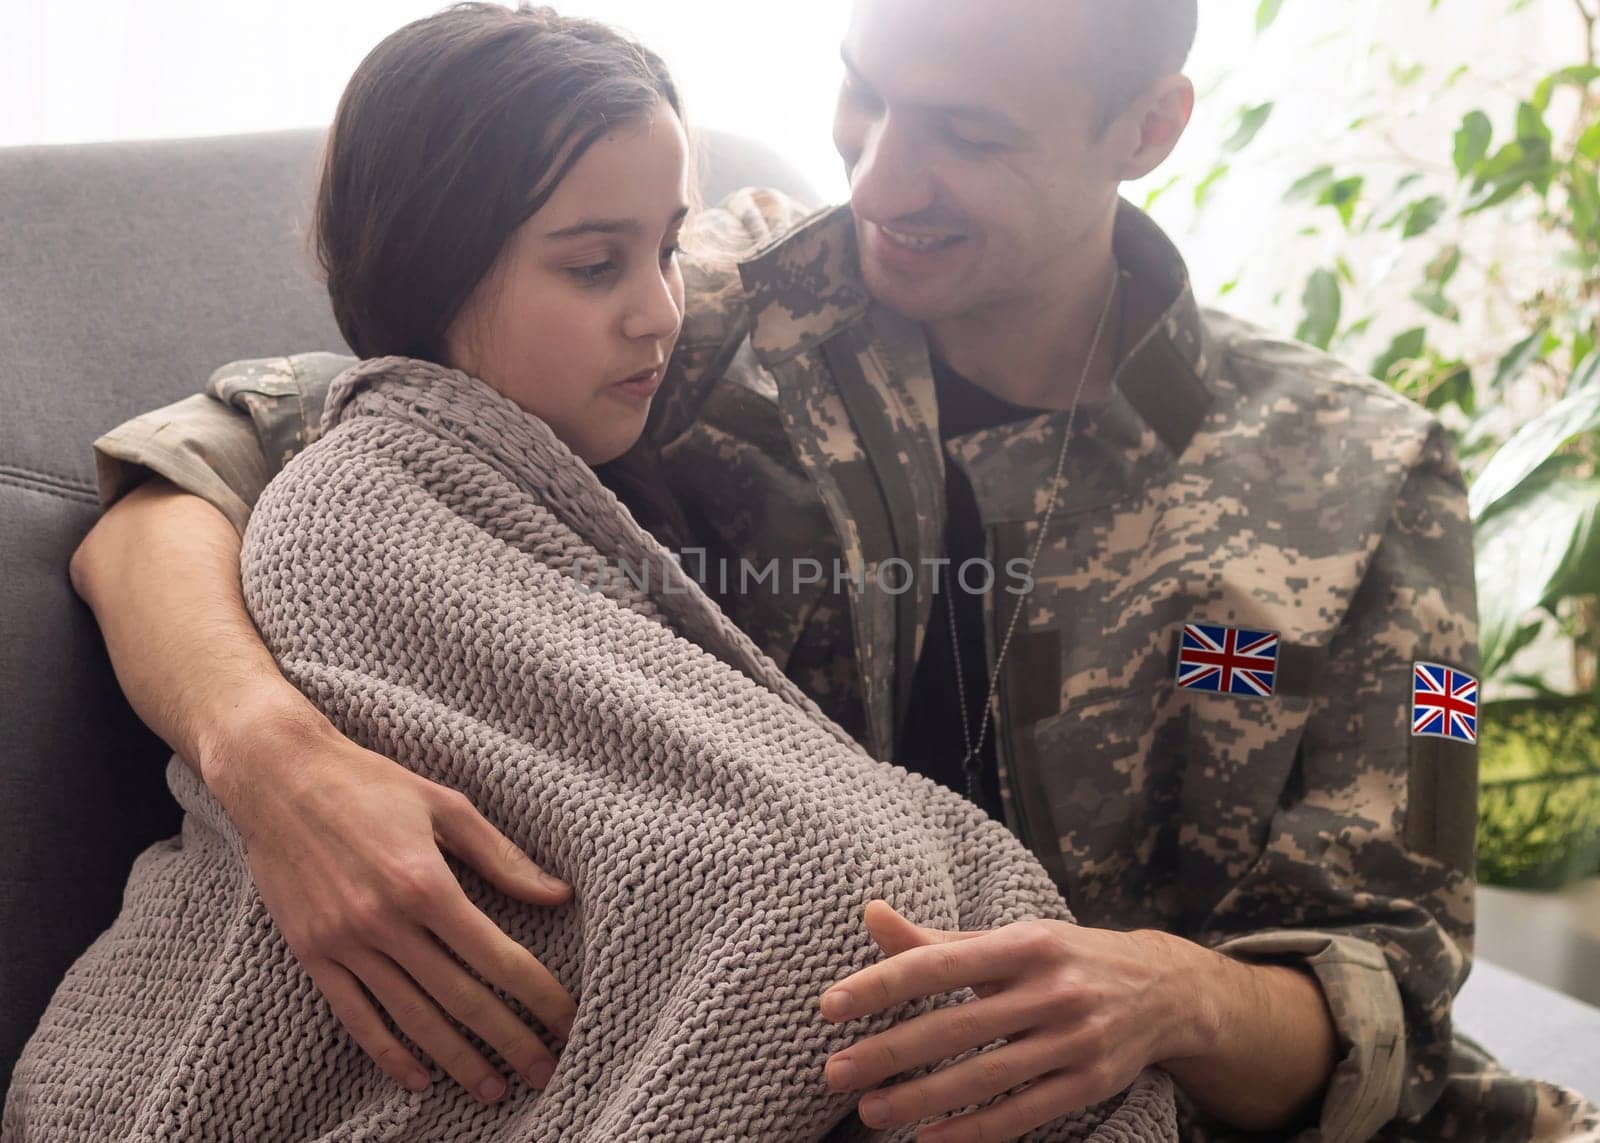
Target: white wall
x=127, y=69
x=78, y=70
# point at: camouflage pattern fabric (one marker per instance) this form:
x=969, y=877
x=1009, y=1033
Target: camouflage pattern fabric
x=1231, y=478
x=225, y=444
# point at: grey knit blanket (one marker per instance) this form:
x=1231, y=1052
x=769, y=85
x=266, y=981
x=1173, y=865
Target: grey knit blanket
x=429, y=574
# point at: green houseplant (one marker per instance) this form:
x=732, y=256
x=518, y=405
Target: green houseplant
x=1409, y=274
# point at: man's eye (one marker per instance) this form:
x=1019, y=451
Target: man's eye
x=860, y=96
x=593, y=274
x=970, y=146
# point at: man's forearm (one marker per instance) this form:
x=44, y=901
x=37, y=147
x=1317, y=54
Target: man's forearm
x=161, y=572
x=1269, y=1046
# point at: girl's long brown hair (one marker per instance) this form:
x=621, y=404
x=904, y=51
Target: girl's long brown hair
x=450, y=135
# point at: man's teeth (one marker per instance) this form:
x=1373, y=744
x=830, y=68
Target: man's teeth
x=916, y=241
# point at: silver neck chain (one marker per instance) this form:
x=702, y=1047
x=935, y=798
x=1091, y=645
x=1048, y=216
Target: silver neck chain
x=969, y=763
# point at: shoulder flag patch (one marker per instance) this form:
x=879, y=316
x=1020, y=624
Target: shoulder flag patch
x=1444, y=703
x=1228, y=660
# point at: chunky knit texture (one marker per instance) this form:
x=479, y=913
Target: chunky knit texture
x=429, y=574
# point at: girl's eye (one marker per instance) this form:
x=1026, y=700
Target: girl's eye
x=593, y=274
x=669, y=254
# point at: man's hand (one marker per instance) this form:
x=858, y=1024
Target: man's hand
x=347, y=850
x=1083, y=1012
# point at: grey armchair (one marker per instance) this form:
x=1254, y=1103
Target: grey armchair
x=128, y=272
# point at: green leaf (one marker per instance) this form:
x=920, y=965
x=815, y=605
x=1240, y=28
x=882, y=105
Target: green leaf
x=1527, y=161
x=1513, y=167
x=1589, y=142
x=1582, y=347
x=1404, y=75
x=1309, y=187
x=1579, y=260
x=1531, y=126
x=1537, y=550
x=1249, y=123
x=1558, y=467
x=1343, y=196
x=1579, y=76
x=1454, y=388
x=1510, y=159
x=1495, y=196
x=1266, y=13
x=1586, y=374
x=1524, y=637
x=1444, y=266
x=1405, y=347
x=1203, y=189
x=1323, y=302
x=1518, y=358
x=1421, y=216
x=1356, y=328
x=1472, y=141
x=1543, y=693
x=1532, y=445
x=1583, y=195
x=1431, y=299
x=1158, y=191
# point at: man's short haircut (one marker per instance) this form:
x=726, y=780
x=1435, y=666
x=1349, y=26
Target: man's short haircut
x=1135, y=42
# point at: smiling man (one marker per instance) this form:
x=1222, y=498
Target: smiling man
x=1202, y=701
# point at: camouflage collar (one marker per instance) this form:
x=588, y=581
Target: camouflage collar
x=805, y=287
x=1164, y=373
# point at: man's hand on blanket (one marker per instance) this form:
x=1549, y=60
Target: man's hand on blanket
x=1084, y=1011
x=347, y=849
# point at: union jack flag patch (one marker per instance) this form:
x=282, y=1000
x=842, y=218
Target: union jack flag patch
x=1444, y=703
x=1228, y=660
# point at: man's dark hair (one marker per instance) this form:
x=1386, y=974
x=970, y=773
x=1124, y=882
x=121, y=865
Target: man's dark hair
x=452, y=133
x=1134, y=43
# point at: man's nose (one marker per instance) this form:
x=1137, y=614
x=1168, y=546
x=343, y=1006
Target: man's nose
x=890, y=179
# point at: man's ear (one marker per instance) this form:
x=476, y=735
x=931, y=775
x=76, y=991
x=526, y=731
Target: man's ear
x=1153, y=124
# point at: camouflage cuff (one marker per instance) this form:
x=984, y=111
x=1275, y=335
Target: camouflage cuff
x=282, y=396
x=1369, y=1022
x=198, y=444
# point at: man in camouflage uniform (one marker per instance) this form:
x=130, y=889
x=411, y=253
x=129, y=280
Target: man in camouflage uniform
x=1218, y=477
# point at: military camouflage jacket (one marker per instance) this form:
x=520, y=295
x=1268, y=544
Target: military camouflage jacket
x=1231, y=480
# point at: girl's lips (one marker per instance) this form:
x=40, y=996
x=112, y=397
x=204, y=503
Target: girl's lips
x=641, y=386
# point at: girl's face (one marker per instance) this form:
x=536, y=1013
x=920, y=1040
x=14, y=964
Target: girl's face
x=578, y=315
